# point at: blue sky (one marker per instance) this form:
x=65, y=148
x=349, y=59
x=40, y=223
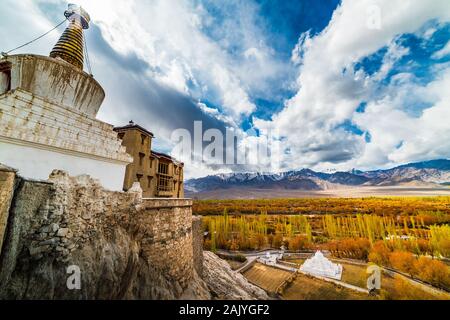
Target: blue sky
x=345, y=84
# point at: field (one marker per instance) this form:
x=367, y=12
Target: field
x=408, y=234
x=266, y=277
x=346, y=192
x=394, y=287
x=309, y=288
x=312, y=206
x=354, y=274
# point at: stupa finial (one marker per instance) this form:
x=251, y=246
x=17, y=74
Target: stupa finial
x=70, y=45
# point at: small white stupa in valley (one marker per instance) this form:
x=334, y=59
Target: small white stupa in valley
x=270, y=258
x=319, y=265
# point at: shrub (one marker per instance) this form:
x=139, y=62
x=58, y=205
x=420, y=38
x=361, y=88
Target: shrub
x=433, y=271
x=299, y=243
x=403, y=261
x=350, y=248
x=423, y=246
x=407, y=291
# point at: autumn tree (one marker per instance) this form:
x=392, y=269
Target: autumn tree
x=440, y=240
x=299, y=243
x=403, y=261
x=259, y=241
x=362, y=248
x=379, y=253
x=423, y=246
x=277, y=241
x=433, y=271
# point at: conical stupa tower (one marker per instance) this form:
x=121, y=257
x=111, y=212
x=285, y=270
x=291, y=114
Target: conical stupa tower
x=70, y=45
x=48, y=109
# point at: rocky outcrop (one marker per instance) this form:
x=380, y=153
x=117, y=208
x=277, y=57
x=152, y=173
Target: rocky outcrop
x=73, y=221
x=120, y=245
x=227, y=284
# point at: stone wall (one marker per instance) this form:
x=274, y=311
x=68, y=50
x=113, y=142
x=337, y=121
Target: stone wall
x=7, y=179
x=197, y=244
x=124, y=246
x=167, y=238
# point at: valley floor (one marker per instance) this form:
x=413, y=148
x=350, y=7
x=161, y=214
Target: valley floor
x=357, y=192
x=304, y=287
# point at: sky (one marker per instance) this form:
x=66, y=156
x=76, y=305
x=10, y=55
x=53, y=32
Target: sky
x=344, y=84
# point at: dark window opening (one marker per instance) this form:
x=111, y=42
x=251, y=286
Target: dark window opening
x=139, y=177
x=142, y=139
x=163, y=168
x=141, y=158
x=5, y=77
x=121, y=135
x=164, y=183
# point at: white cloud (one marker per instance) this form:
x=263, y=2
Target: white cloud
x=170, y=36
x=445, y=51
x=300, y=48
x=330, y=91
x=25, y=21
x=394, y=53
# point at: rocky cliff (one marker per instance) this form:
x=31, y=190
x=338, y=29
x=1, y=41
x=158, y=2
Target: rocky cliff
x=121, y=246
x=226, y=284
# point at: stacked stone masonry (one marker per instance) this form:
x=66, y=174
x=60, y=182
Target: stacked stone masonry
x=7, y=179
x=168, y=237
x=197, y=244
x=125, y=246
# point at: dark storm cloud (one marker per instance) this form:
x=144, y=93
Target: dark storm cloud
x=131, y=93
x=130, y=62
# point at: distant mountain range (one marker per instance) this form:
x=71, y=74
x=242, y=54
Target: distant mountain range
x=427, y=173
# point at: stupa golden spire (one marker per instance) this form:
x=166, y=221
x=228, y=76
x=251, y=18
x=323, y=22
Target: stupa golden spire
x=70, y=45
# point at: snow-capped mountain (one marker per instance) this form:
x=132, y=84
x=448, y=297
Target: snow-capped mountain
x=420, y=173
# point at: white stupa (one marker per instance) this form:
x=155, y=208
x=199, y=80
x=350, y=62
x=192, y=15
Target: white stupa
x=270, y=258
x=318, y=265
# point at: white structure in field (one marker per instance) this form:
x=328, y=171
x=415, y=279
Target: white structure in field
x=270, y=258
x=319, y=265
x=48, y=109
